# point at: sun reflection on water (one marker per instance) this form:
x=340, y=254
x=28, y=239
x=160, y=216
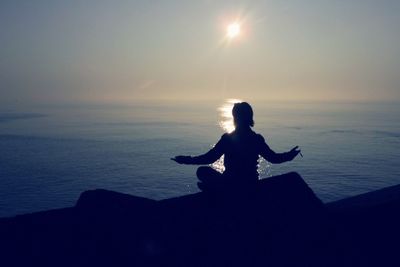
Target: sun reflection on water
x=225, y=111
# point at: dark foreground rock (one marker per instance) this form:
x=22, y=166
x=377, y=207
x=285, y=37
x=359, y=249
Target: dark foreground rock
x=279, y=223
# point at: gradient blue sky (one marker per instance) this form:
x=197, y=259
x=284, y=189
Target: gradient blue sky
x=131, y=51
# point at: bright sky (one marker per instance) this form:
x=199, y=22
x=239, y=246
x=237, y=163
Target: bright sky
x=124, y=51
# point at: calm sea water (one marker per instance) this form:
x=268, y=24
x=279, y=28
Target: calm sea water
x=48, y=156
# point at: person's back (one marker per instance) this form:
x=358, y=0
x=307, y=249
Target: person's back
x=241, y=150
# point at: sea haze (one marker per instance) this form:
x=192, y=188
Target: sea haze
x=50, y=155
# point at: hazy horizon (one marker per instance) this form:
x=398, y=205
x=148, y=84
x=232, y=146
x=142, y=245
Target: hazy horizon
x=131, y=51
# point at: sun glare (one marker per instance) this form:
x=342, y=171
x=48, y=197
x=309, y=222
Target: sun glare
x=233, y=30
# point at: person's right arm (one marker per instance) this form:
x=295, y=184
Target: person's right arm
x=267, y=153
x=207, y=158
x=211, y=156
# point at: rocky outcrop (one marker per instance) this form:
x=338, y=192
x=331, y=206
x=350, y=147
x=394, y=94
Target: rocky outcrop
x=280, y=222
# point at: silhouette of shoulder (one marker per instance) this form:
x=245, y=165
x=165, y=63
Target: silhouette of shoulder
x=229, y=139
x=224, y=136
x=222, y=143
x=259, y=138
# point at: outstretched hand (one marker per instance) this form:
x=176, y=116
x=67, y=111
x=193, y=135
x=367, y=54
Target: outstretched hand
x=294, y=152
x=182, y=159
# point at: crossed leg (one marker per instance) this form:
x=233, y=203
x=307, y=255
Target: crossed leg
x=209, y=178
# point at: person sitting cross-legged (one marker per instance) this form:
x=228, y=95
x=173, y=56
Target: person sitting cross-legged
x=241, y=149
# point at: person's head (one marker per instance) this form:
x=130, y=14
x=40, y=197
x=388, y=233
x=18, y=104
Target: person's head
x=242, y=115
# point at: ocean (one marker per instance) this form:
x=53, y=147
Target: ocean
x=49, y=155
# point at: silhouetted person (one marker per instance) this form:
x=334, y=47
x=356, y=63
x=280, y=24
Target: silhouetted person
x=241, y=148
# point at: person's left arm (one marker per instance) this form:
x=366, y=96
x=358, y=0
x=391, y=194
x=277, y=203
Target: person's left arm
x=267, y=153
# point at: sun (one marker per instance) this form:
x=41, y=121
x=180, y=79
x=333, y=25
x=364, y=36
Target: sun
x=233, y=30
